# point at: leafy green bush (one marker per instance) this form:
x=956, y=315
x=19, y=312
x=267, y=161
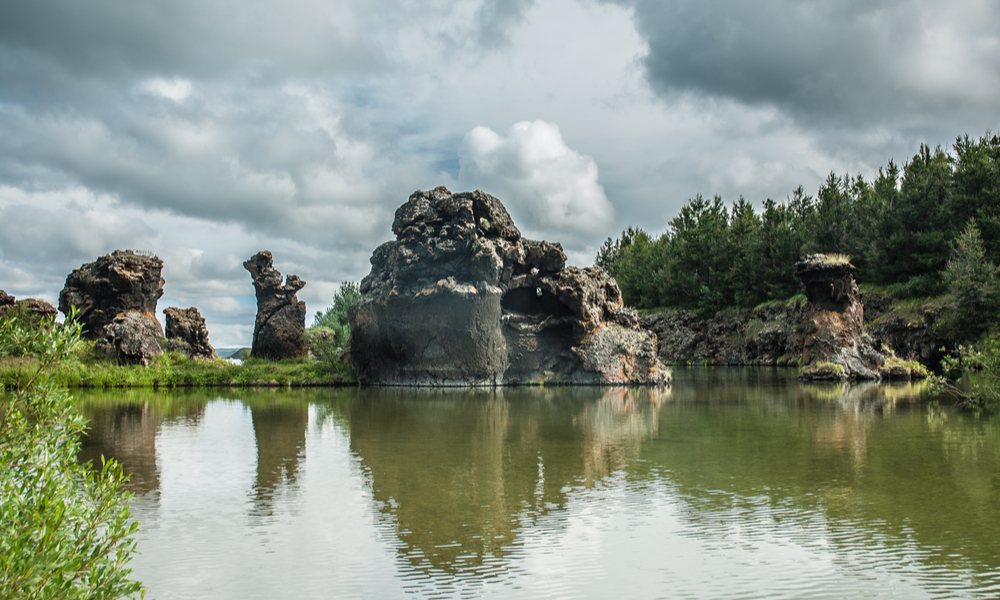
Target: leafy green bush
x=980, y=367
x=65, y=530
x=335, y=318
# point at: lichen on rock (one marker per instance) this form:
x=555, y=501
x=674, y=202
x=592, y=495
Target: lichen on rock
x=460, y=298
x=135, y=338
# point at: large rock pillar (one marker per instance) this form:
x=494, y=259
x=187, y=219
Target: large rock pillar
x=834, y=342
x=279, y=330
x=121, y=282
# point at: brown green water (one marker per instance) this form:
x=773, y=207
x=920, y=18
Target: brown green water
x=728, y=484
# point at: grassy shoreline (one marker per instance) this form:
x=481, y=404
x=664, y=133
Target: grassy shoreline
x=93, y=369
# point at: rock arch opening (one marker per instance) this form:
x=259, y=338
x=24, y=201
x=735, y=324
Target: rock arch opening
x=535, y=302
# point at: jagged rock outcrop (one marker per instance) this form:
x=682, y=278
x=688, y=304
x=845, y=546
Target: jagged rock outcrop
x=134, y=337
x=120, y=282
x=460, y=298
x=834, y=342
x=770, y=334
x=683, y=337
x=6, y=302
x=279, y=331
x=186, y=331
x=31, y=311
x=917, y=331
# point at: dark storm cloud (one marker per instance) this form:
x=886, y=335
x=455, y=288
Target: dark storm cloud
x=895, y=63
x=45, y=243
x=285, y=162
x=45, y=44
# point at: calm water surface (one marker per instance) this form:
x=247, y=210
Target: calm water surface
x=728, y=484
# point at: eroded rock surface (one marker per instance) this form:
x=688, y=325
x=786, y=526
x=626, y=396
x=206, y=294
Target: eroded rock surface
x=186, y=331
x=279, y=331
x=834, y=342
x=6, y=302
x=31, y=310
x=460, y=298
x=767, y=335
x=134, y=337
x=123, y=281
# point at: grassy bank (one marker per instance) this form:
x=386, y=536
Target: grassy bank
x=94, y=369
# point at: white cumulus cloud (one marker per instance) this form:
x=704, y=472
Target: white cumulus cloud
x=545, y=184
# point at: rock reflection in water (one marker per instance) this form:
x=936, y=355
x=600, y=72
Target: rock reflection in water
x=855, y=402
x=615, y=426
x=123, y=424
x=280, y=433
x=734, y=483
x=128, y=433
x=461, y=473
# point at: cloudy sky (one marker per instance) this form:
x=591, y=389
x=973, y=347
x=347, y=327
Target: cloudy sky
x=206, y=130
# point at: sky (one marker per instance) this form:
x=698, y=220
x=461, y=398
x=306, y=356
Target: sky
x=207, y=130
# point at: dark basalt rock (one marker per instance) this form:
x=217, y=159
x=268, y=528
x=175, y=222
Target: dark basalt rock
x=186, y=331
x=460, y=298
x=6, y=302
x=279, y=331
x=30, y=311
x=134, y=337
x=834, y=342
x=120, y=282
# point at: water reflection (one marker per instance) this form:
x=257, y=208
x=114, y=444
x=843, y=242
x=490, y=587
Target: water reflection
x=729, y=483
x=280, y=433
x=461, y=475
x=123, y=424
x=615, y=426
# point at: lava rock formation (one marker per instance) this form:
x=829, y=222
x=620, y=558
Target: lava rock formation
x=459, y=298
x=279, y=331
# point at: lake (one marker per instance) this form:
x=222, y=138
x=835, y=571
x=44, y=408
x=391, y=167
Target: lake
x=730, y=483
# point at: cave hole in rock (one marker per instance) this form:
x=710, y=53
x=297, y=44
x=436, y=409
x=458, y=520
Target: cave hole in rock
x=535, y=302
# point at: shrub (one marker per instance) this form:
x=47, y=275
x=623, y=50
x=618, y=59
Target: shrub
x=335, y=318
x=65, y=530
x=982, y=364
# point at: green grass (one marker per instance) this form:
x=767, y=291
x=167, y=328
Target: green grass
x=836, y=259
x=823, y=370
x=913, y=369
x=913, y=310
x=93, y=369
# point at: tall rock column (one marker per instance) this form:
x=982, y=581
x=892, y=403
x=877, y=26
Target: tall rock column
x=279, y=331
x=834, y=341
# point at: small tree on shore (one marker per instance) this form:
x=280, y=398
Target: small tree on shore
x=972, y=279
x=335, y=318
